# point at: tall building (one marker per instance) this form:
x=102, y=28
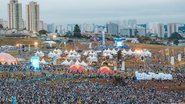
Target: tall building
x=41, y=25
x=112, y=28
x=33, y=16
x=173, y=27
x=51, y=28
x=15, y=15
x=158, y=29
x=132, y=23
x=4, y=23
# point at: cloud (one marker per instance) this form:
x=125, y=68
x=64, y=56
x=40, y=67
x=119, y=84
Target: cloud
x=100, y=11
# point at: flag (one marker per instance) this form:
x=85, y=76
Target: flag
x=147, y=59
x=173, y=52
x=162, y=52
x=79, y=101
x=167, y=51
x=172, y=61
x=123, y=65
x=14, y=101
x=179, y=57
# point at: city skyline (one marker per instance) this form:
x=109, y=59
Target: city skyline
x=99, y=12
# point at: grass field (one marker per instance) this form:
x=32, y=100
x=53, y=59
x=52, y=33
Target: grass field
x=14, y=41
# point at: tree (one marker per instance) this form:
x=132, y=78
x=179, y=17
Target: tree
x=43, y=32
x=119, y=55
x=56, y=31
x=77, y=31
x=1, y=26
x=175, y=36
x=69, y=33
x=176, y=42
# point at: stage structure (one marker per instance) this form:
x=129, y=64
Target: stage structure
x=35, y=62
x=103, y=38
x=119, y=42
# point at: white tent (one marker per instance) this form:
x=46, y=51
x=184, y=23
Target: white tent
x=83, y=63
x=92, y=59
x=66, y=63
x=77, y=63
x=39, y=53
x=150, y=76
x=43, y=62
x=51, y=43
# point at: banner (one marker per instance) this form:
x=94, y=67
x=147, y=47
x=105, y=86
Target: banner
x=123, y=66
x=147, y=59
x=115, y=66
x=172, y=61
x=172, y=52
x=90, y=45
x=179, y=57
x=55, y=60
x=14, y=101
x=167, y=52
x=162, y=52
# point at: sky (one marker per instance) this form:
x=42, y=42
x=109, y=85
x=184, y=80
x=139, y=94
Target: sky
x=102, y=11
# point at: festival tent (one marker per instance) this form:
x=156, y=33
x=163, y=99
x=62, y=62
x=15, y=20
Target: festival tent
x=43, y=62
x=57, y=51
x=147, y=53
x=114, y=52
x=66, y=52
x=105, y=71
x=150, y=76
x=39, y=53
x=51, y=43
x=92, y=59
x=6, y=58
x=124, y=52
x=76, y=69
x=85, y=53
x=93, y=53
x=77, y=63
x=83, y=64
x=52, y=55
x=66, y=63
x=130, y=52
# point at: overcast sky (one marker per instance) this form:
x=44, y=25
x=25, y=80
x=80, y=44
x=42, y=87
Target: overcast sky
x=101, y=11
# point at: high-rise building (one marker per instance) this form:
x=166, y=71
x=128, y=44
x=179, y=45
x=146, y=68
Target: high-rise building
x=4, y=23
x=41, y=25
x=173, y=27
x=51, y=28
x=132, y=23
x=158, y=29
x=15, y=15
x=112, y=28
x=33, y=16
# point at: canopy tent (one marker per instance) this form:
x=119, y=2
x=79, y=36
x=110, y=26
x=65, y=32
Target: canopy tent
x=66, y=63
x=92, y=59
x=52, y=55
x=83, y=64
x=43, y=62
x=74, y=56
x=57, y=51
x=6, y=58
x=105, y=71
x=51, y=43
x=76, y=69
x=151, y=75
x=39, y=53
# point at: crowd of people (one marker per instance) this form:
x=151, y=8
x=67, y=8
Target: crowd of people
x=84, y=92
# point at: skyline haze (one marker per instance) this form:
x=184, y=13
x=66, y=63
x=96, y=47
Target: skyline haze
x=100, y=12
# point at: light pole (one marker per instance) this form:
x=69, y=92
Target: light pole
x=36, y=45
